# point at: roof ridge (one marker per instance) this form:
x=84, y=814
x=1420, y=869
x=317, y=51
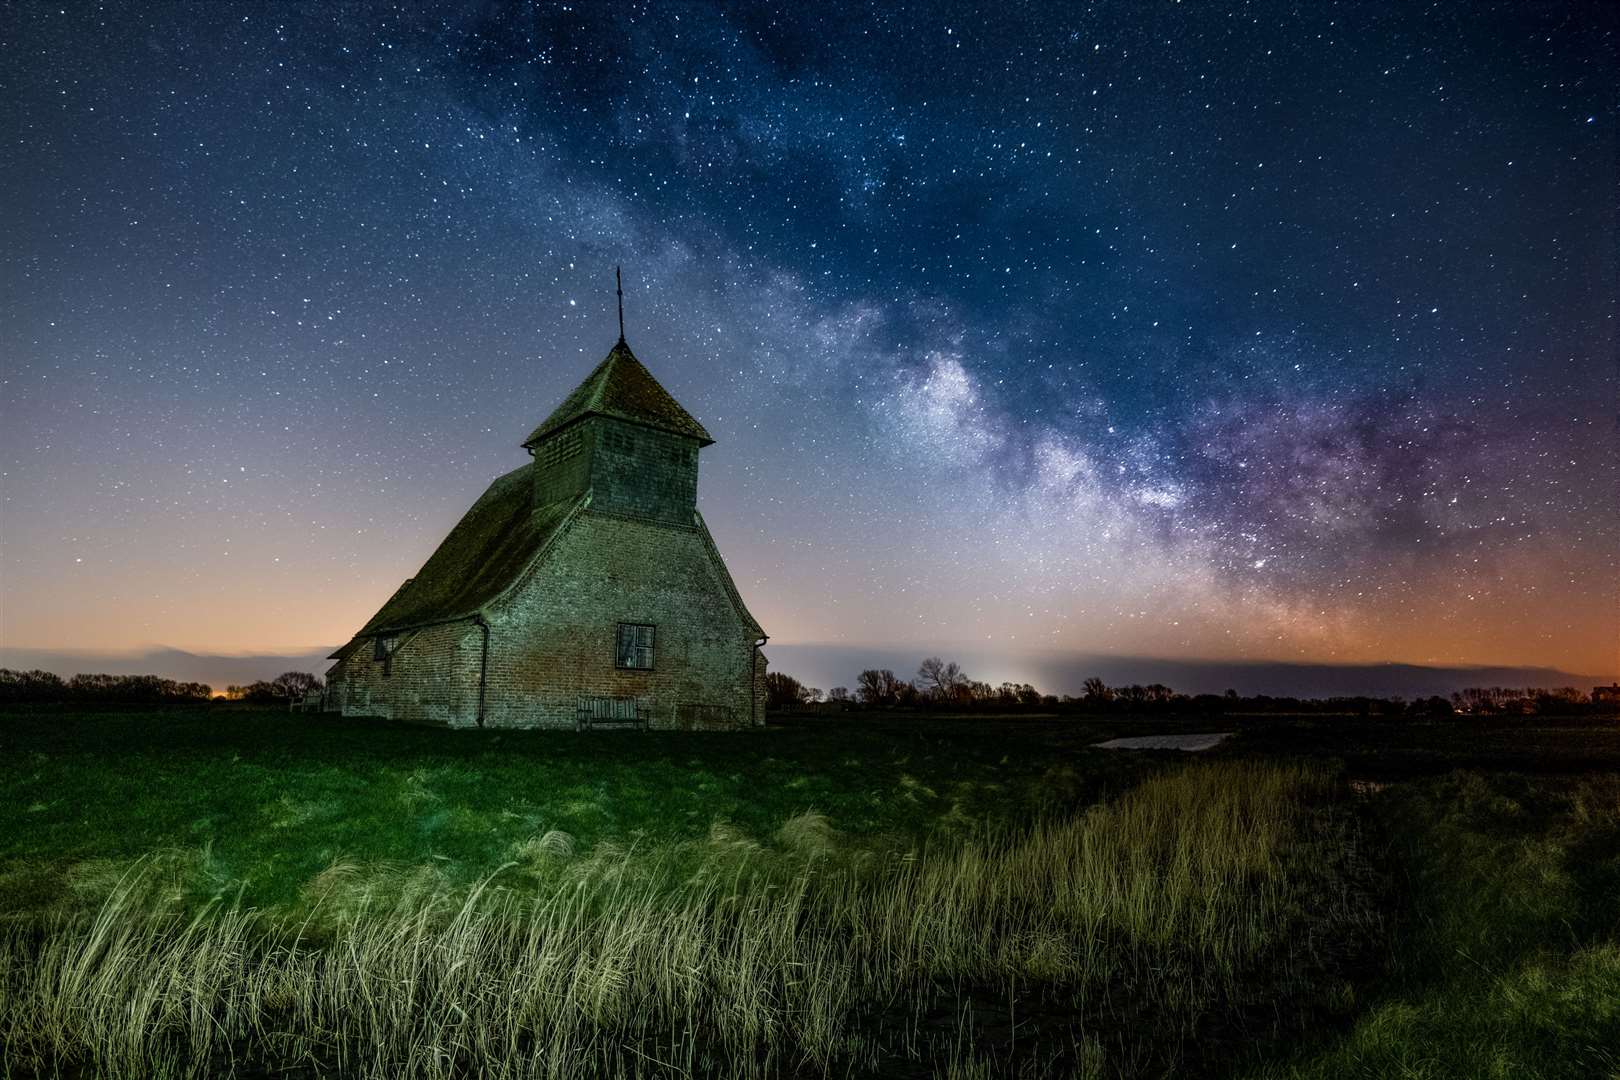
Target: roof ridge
x=606, y=368
x=725, y=573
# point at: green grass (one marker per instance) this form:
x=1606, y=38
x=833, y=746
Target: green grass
x=1506, y=960
x=1144, y=917
x=185, y=892
x=259, y=802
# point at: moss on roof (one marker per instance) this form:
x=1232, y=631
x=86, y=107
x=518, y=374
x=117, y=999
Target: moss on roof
x=622, y=387
x=494, y=542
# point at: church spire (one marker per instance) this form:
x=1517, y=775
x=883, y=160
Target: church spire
x=618, y=280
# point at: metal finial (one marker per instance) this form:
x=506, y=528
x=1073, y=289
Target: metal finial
x=618, y=280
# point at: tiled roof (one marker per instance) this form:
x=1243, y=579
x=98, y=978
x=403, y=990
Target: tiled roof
x=621, y=387
x=492, y=544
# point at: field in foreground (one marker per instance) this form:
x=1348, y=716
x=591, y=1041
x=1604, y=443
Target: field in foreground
x=194, y=892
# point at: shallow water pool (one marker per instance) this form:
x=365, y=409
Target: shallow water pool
x=1200, y=741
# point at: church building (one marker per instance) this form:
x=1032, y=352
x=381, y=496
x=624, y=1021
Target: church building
x=582, y=590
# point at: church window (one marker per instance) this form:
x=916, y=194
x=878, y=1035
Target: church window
x=382, y=649
x=635, y=649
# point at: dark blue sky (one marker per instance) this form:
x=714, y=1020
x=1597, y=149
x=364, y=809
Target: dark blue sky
x=1262, y=331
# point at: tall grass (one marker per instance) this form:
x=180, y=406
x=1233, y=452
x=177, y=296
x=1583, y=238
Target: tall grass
x=276, y=796
x=726, y=957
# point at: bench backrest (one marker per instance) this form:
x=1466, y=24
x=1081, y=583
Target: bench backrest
x=605, y=708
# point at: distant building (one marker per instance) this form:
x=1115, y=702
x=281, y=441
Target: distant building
x=582, y=588
x=1609, y=694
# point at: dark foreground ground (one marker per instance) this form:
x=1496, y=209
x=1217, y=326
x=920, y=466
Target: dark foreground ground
x=1449, y=891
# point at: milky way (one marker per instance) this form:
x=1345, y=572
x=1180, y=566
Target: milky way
x=1269, y=331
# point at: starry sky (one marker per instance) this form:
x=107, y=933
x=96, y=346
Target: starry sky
x=1257, y=331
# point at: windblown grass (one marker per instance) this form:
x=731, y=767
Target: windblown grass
x=261, y=801
x=1198, y=894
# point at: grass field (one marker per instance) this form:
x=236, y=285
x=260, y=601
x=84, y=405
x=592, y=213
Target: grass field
x=260, y=802
x=1504, y=955
x=187, y=892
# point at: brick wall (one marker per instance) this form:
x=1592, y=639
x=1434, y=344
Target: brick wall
x=553, y=639
x=432, y=678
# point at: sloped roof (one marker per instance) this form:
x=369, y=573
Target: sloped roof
x=621, y=387
x=492, y=544
x=725, y=577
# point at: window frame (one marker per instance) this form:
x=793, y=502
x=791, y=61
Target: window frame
x=620, y=652
x=382, y=651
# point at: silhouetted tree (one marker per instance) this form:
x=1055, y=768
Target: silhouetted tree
x=941, y=679
x=261, y=693
x=31, y=686
x=1434, y=707
x=783, y=691
x=878, y=686
x=296, y=684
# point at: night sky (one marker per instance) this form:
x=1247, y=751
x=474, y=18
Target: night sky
x=1277, y=331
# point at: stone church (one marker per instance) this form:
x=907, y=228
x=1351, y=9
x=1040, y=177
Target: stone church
x=581, y=590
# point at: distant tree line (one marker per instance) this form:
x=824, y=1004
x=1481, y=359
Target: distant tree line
x=44, y=687
x=289, y=684
x=1526, y=700
x=940, y=684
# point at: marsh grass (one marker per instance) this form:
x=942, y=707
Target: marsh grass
x=1194, y=895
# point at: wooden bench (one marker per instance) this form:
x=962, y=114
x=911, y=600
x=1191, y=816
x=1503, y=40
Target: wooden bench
x=592, y=713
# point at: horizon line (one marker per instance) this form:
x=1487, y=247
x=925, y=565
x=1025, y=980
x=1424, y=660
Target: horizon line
x=132, y=651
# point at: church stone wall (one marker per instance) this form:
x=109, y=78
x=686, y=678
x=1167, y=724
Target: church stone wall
x=553, y=638
x=432, y=678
